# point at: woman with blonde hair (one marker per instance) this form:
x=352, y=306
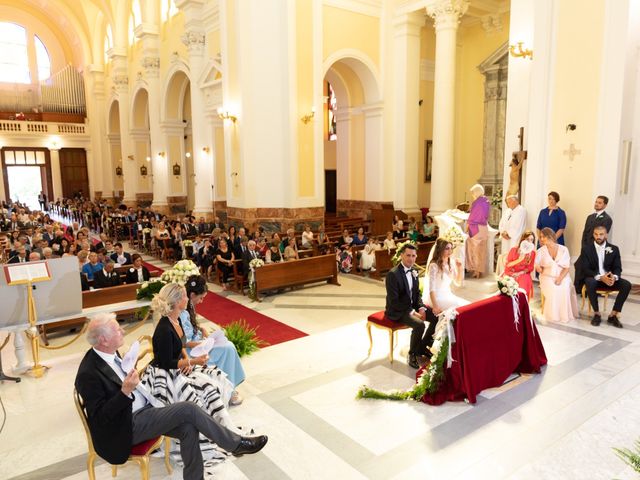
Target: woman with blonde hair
x=173, y=376
x=553, y=263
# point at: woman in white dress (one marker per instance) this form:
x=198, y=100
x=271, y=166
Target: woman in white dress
x=368, y=256
x=443, y=271
x=552, y=263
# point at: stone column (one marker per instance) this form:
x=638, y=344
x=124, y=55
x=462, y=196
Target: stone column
x=102, y=172
x=56, y=175
x=446, y=15
x=130, y=164
x=406, y=46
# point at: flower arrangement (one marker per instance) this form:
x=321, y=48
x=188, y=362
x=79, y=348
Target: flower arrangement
x=187, y=243
x=496, y=198
x=508, y=286
x=454, y=236
x=243, y=337
x=253, y=264
x=432, y=375
x=146, y=230
x=180, y=272
x=399, y=246
x=150, y=289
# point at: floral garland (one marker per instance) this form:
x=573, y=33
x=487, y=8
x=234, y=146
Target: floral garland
x=180, y=272
x=454, y=236
x=432, y=376
x=399, y=247
x=509, y=286
x=253, y=265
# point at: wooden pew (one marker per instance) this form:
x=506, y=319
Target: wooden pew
x=297, y=272
x=93, y=298
x=383, y=258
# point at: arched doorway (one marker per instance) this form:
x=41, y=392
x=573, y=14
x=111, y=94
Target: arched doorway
x=355, y=154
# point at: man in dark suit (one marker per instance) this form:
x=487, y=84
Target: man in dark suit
x=217, y=224
x=404, y=304
x=597, y=218
x=249, y=254
x=122, y=413
x=601, y=267
x=120, y=256
x=19, y=255
x=106, y=277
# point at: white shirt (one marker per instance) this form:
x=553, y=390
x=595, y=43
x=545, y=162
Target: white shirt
x=513, y=223
x=601, y=252
x=598, y=213
x=409, y=276
x=140, y=400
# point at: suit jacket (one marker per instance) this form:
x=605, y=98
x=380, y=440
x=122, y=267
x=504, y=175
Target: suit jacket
x=108, y=409
x=132, y=275
x=100, y=280
x=587, y=263
x=592, y=222
x=204, y=228
x=401, y=300
x=114, y=257
x=16, y=259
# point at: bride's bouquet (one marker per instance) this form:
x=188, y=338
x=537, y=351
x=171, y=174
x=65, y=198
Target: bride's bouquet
x=508, y=286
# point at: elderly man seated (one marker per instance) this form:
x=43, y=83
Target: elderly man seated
x=107, y=277
x=122, y=413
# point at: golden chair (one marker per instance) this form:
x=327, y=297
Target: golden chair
x=605, y=292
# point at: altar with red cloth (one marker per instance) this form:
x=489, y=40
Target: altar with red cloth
x=488, y=348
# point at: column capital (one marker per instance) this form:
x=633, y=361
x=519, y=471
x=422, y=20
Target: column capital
x=194, y=40
x=151, y=65
x=446, y=13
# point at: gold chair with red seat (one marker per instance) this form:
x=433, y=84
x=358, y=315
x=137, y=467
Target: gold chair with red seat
x=379, y=320
x=139, y=453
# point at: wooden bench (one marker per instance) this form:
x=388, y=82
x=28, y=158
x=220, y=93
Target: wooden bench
x=383, y=258
x=297, y=272
x=94, y=298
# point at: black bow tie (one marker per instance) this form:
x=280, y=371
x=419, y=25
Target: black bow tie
x=407, y=270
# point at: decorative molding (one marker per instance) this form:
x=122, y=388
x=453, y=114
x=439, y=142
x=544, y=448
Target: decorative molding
x=194, y=40
x=139, y=134
x=427, y=70
x=447, y=13
x=372, y=8
x=120, y=82
x=211, y=16
x=151, y=66
x=491, y=23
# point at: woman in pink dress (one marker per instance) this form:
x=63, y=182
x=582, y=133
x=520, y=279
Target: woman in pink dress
x=552, y=263
x=520, y=262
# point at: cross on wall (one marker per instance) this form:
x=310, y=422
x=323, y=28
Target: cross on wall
x=572, y=152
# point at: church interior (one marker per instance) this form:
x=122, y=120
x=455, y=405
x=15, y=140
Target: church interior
x=334, y=114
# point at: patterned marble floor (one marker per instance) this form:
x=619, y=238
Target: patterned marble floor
x=558, y=425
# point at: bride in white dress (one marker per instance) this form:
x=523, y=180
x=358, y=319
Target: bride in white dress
x=442, y=272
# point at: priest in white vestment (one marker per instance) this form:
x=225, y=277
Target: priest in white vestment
x=511, y=227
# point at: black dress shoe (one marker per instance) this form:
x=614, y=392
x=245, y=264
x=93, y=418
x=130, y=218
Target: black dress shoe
x=412, y=360
x=595, y=321
x=613, y=320
x=250, y=445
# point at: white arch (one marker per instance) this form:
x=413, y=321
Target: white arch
x=362, y=66
x=110, y=105
x=138, y=87
x=178, y=66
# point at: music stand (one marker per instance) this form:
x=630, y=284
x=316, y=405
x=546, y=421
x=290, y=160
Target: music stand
x=27, y=274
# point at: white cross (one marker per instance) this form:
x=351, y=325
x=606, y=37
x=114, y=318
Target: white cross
x=572, y=152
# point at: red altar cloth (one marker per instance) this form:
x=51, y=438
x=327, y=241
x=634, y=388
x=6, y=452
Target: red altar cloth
x=488, y=349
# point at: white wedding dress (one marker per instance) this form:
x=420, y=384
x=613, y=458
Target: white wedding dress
x=439, y=282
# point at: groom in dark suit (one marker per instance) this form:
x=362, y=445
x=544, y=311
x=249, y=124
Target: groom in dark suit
x=600, y=267
x=404, y=304
x=122, y=413
x=598, y=218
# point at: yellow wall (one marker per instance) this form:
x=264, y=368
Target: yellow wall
x=304, y=62
x=357, y=162
x=175, y=184
x=427, y=52
x=576, y=94
x=344, y=29
x=220, y=176
x=474, y=46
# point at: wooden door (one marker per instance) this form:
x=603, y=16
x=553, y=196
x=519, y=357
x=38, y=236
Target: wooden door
x=73, y=171
x=330, y=191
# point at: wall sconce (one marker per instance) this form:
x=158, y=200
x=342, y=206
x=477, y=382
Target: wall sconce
x=176, y=169
x=517, y=51
x=307, y=118
x=143, y=170
x=119, y=171
x=225, y=115
x=130, y=157
x=148, y=159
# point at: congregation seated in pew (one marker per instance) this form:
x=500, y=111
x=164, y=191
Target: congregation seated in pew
x=106, y=277
x=137, y=273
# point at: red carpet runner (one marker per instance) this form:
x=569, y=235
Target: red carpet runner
x=223, y=312
x=152, y=268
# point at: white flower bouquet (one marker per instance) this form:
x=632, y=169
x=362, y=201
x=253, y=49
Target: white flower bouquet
x=454, y=236
x=256, y=263
x=146, y=230
x=253, y=265
x=180, y=272
x=187, y=243
x=149, y=289
x=508, y=286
